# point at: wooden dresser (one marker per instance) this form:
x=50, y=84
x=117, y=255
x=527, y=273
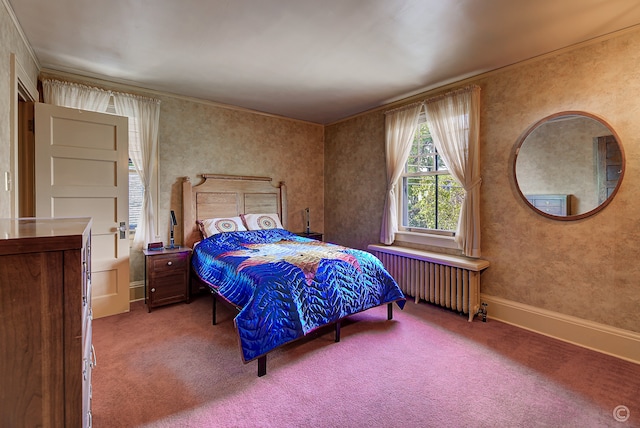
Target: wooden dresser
x=46, y=353
x=558, y=205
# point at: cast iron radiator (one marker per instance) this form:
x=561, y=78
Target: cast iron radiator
x=450, y=281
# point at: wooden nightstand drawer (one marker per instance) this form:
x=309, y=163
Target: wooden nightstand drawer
x=166, y=276
x=168, y=263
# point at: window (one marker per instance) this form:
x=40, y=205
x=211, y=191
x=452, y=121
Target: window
x=136, y=189
x=136, y=192
x=431, y=198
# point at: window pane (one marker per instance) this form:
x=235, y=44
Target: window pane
x=432, y=202
x=423, y=137
x=135, y=196
x=441, y=165
x=420, y=201
x=422, y=154
x=412, y=163
x=450, y=197
x=421, y=163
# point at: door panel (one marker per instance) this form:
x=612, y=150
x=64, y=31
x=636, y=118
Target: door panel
x=83, y=135
x=89, y=172
x=81, y=160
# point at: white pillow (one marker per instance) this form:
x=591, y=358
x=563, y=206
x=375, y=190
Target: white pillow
x=213, y=226
x=262, y=221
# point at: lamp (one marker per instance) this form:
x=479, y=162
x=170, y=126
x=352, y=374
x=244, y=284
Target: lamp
x=306, y=211
x=173, y=223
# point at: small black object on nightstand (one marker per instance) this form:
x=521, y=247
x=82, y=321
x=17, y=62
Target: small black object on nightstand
x=313, y=235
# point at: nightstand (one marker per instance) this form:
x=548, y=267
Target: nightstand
x=312, y=235
x=166, y=276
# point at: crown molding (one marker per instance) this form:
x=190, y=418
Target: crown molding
x=18, y=27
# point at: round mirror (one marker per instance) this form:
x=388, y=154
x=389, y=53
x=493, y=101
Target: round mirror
x=568, y=165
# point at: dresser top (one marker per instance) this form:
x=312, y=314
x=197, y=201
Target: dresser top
x=20, y=235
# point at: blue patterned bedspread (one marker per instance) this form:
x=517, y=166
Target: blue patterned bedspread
x=288, y=285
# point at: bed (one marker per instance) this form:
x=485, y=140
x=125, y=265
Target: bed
x=283, y=285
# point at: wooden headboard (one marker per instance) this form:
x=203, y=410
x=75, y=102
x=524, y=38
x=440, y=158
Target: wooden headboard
x=228, y=196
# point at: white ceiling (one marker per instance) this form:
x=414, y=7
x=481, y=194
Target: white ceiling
x=315, y=60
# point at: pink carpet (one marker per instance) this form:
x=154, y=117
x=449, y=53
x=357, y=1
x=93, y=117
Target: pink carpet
x=426, y=368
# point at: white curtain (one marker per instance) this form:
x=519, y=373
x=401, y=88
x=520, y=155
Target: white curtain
x=453, y=121
x=144, y=118
x=73, y=95
x=400, y=128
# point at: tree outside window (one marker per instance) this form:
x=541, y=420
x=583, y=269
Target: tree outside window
x=431, y=197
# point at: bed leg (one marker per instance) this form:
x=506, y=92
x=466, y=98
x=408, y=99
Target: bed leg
x=262, y=366
x=338, y=331
x=389, y=311
x=213, y=309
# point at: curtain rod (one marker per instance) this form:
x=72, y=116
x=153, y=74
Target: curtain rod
x=406, y=107
x=451, y=93
x=468, y=88
x=83, y=85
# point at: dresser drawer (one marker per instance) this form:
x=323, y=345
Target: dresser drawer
x=558, y=205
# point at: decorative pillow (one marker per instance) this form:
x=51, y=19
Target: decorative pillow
x=213, y=226
x=262, y=221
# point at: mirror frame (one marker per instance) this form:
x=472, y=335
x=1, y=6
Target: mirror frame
x=532, y=128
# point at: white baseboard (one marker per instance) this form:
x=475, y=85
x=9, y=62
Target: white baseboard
x=609, y=340
x=136, y=291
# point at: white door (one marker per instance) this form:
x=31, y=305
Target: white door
x=81, y=162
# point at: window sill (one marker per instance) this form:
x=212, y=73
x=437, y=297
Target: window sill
x=426, y=239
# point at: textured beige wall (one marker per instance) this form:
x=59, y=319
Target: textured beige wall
x=586, y=268
x=197, y=137
x=10, y=42
x=355, y=180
